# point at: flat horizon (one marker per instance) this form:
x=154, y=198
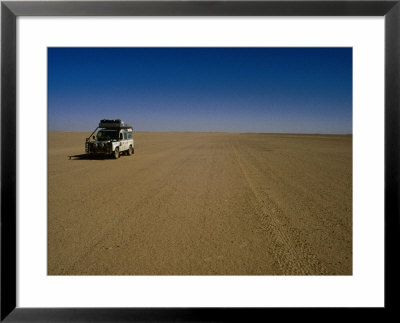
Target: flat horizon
x=233, y=132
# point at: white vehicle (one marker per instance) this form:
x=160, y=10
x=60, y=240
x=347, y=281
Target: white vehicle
x=113, y=138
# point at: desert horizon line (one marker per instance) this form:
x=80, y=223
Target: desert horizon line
x=236, y=132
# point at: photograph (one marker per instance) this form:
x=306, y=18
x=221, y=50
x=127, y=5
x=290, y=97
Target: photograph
x=200, y=161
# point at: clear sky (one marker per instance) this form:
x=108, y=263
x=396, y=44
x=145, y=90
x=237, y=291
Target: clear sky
x=273, y=90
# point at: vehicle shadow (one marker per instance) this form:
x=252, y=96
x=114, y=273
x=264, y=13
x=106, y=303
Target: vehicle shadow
x=89, y=157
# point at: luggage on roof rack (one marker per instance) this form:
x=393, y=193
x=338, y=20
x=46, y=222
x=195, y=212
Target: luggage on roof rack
x=117, y=123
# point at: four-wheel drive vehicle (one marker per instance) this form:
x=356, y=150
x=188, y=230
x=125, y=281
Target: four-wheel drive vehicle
x=113, y=138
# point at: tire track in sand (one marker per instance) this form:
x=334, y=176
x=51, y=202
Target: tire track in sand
x=294, y=258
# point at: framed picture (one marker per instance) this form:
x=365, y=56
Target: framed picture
x=174, y=160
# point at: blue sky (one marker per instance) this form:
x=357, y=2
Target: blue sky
x=272, y=90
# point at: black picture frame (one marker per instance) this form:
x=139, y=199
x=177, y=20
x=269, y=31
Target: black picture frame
x=10, y=10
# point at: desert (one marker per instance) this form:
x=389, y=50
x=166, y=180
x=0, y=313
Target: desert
x=202, y=203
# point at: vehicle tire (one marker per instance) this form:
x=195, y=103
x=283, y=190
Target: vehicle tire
x=130, y=150
x=116, y=153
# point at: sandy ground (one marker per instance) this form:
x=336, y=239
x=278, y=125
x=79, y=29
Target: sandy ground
x=202, y=204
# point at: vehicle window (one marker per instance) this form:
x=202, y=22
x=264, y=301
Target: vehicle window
x=120, y=136
x=107, y=135
x=125, y=137
x=129, y=135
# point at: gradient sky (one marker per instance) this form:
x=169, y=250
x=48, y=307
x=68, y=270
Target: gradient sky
x=289, y=90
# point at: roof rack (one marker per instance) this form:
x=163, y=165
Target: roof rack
x=113, y=124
